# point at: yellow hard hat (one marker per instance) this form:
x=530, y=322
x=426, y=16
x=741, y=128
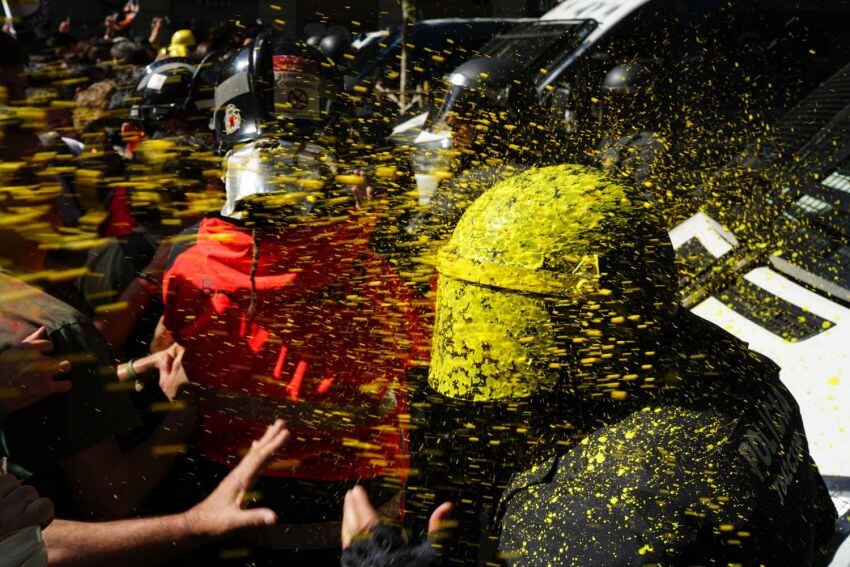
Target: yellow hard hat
x=183, y=37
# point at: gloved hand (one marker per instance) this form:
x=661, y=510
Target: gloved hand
x=369, y=543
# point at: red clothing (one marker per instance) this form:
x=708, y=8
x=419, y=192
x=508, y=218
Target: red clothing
x=120, y=221
x=332, y=335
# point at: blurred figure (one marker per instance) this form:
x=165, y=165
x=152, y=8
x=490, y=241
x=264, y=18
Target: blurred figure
x=165, y=137
x=66, y=443
x=490, y=139
x=116, y=25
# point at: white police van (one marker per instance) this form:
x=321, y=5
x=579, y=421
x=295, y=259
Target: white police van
x=776, y=271
x=562, y=58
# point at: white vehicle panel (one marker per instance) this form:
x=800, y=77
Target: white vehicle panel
x=427, y=137
x=714, y=238
x=426, y=186
x=605, y=12
x=417, y=121
x=815, y=370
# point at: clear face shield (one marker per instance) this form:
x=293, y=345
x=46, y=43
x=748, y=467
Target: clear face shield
x=274, y=175
x=470, y=111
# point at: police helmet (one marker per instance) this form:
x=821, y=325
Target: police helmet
x=163, y=92
x=555, y=270
x=623, y=78
x=274, y=86
x=334, y=47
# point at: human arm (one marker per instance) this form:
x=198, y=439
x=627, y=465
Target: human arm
x=107, y=480
x=169, y=366
x=106, y=477
x=117, y=324
x=156, y=30
x=154, y=540
x=131, y=10
x=162, y=338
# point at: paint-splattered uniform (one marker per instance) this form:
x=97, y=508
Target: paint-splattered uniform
x=720, y=474
x=714, y=471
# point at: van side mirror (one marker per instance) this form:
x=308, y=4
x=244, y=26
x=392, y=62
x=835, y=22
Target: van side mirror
x=561, y=109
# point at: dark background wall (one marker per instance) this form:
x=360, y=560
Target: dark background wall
x=298, y=15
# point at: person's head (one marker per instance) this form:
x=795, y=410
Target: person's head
x=486, y=112
x=334, y=47
x=275, y=88
x=161, y=103
x=183, y=38
x=61, y=44
x=129, y=52
x=223, y=37
x=276, y=101
x=99, y=52
x=557, y=280
x=28, y=209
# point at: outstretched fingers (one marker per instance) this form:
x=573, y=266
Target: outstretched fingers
x=253, y=463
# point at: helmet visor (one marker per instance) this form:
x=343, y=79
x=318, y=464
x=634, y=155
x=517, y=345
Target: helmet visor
x=491, y=344
x=473, y=105
x=278, y=175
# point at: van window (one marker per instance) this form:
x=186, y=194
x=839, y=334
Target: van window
x=536, y=44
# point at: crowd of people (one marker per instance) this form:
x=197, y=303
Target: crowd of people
x=232, y=332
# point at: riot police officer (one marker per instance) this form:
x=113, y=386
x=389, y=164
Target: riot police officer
x=637, y=433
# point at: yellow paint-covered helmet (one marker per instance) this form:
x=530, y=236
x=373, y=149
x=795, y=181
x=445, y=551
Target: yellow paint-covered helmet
x=543, y=261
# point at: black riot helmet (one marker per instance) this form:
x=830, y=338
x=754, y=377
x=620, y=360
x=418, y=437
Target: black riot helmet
x=630, y=97
x=623, y=78
x=334, y=47
x=275, y=86
x=486, y=107
x=163, y=93
x=478, y=87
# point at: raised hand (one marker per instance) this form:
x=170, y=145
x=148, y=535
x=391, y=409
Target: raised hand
x=171, y=374
x=224, y=511
x=359, y=516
